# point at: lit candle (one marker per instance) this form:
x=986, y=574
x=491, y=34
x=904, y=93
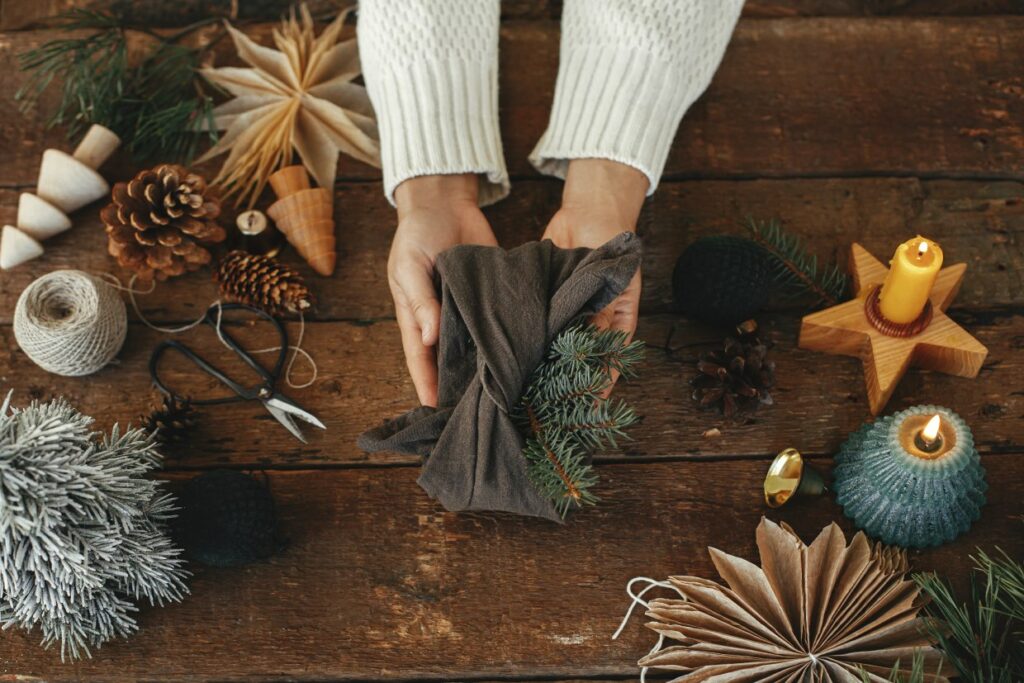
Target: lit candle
x=913, y=479
x=908, y=285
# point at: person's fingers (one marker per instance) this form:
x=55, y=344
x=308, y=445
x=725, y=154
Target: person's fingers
x=419, y=358
x=419, y=317
x=621, y=314
x=417, y=289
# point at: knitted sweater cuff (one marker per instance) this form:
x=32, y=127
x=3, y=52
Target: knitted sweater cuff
x=613, y=103
x=440, y=117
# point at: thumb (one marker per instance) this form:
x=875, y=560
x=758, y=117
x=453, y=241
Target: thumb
x=421, y=299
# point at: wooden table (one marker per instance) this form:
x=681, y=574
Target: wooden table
x=847, y=127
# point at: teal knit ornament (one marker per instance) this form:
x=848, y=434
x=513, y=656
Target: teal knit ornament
x=904, y=499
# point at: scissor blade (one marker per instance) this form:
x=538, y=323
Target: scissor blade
x=285, y=419
x=287, y=406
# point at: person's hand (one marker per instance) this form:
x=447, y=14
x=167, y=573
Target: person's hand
x=601, y=199
x=434, y=213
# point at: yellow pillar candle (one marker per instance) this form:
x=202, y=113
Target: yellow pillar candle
x=911, y=275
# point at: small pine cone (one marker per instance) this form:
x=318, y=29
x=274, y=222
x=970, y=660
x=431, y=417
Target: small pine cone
x=262, y=282
x=173, y=422
x=737, y=379
x=159, y=223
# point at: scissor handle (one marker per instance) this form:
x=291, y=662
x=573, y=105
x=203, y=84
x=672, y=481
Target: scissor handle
x=214, y=319
x=162, y=347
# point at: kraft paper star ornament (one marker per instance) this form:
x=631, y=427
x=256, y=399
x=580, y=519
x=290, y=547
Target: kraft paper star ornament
x=845, y=329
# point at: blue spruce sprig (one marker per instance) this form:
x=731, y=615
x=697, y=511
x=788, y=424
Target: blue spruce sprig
x=566, y=413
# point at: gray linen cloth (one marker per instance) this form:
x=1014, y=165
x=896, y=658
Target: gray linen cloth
x=500, y=310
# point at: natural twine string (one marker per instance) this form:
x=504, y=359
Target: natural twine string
x=295, y=348
x=638, y=599
x=69, y=323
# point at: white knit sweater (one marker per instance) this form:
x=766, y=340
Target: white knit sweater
x=628, y=71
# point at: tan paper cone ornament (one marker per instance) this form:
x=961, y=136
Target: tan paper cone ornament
x=305, y=217
x=289, y=180
x=16, y=248
x=39, y=219
x=70, y=182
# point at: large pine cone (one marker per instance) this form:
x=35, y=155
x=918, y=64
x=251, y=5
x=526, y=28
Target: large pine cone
x=160, y=221
x=262, y=282
x=737, y=379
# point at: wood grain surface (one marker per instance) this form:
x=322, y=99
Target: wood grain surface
x=378, y=583
x=845, y=127
x=21, y=14
x=818, y=401
x=980, y=223
x=793, y=97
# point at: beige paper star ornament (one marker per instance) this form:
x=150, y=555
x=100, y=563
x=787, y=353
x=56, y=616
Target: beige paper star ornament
x=845, y=329
x=299, y=97
x=829, y=611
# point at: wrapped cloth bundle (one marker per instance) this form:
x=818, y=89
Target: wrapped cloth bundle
x=500, y=310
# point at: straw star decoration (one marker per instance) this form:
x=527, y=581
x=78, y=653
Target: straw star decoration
x=298, y=97
x=827, y=611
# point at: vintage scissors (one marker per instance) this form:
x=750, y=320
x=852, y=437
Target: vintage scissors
x=282, y=408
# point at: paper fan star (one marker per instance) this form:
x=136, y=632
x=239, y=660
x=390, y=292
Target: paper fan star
x=823, y=612
x=298, y=97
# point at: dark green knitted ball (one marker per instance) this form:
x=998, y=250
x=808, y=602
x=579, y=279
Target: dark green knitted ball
x=722, y=280
x=227, y=519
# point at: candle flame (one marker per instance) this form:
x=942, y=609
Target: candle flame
x=931, y=430
x=922, y=248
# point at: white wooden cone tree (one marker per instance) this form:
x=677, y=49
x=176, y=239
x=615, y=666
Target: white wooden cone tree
x=67, y=182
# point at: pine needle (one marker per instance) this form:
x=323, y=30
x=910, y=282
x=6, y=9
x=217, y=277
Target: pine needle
x=566, y=416
x=982, y=638
x=153, y=106
x=797, y=273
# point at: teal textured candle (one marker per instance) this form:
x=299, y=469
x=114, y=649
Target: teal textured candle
x=909, y=485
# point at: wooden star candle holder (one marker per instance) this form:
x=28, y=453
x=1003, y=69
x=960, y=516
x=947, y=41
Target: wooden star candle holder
x=857, y=328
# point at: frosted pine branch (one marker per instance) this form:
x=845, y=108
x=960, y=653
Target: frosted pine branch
x=82, y=528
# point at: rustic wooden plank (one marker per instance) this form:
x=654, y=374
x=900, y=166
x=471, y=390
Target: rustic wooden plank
x=794, y=97
x=819, y=398
x=22, y=14
x=980, y=223
x=379, y=583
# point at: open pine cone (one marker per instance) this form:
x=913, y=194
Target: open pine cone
x=173, y=423
x=160, y=222
x=737, y=379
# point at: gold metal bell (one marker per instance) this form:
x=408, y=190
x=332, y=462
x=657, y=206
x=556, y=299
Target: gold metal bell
x=789, y=477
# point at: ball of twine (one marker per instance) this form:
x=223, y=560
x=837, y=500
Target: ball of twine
x=70, y=323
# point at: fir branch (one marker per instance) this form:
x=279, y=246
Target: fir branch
x=796, y=272
x=571, y=490
x=565, y=414
x=155, y=106
x=83, y=529
x=981, y=637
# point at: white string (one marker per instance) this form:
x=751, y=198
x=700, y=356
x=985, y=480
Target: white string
x=295, y=348
x=637, y=599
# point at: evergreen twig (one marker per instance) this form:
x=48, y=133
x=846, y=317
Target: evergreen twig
x=157, y=106
x=796, y=272
x=566, y=415
x=982, y=638
x=916, y=674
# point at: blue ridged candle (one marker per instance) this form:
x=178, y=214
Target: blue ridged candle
x=905, y=489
